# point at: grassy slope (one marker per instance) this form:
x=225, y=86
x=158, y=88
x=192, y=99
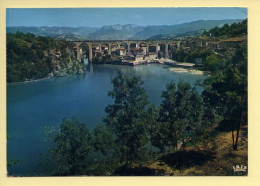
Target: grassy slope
x=217, y=158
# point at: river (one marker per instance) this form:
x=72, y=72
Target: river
x=32, y=106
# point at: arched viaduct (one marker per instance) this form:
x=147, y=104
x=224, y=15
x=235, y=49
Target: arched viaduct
x=128, y=43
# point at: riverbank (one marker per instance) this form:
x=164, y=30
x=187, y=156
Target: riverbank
x=51, y=75
x=165, y=61
x=147, y=61
x=179, y=67
x=185, y=70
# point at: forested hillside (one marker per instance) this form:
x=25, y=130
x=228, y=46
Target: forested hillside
x=234, y=30
x=30, y=57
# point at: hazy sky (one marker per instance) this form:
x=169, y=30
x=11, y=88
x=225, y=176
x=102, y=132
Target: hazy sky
x=97, y=17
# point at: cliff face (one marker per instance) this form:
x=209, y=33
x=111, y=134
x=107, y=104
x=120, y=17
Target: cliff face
x=65, y=64
x=30, y=58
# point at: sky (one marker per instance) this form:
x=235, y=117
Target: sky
x=97, y=17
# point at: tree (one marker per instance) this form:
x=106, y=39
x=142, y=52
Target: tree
x=204, y=133
x=212, y=62
x=125, y=116
x=71, y=146
x=167, y=115
x=182, y=109
x=152, y=125
x=199, y=120
x=103, y=139
x=227, y=90
x=160, y=136
x=189, y=108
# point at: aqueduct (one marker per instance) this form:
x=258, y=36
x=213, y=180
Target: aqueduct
x=144, y=44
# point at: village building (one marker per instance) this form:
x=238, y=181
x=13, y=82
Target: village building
x=128, y=58
x=152, y=48
x=104, y=47
x=121, y=51
x=137, y=51
x=198, y=43
x=152, y=56
x=230, y=43
x=114, y=47
x=139, y=57
x=144, y=47
x=213, y=45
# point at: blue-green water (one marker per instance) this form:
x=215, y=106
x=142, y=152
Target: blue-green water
x=34, y=105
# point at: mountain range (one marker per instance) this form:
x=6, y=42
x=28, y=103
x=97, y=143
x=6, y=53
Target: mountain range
x=123, y=32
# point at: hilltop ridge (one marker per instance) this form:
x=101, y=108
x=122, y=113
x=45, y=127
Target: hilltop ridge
x=121, y=32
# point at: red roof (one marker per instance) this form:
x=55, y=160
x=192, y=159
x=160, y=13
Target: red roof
x=137, y=49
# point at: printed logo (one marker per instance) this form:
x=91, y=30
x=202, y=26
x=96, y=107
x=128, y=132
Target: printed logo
x=239, y=168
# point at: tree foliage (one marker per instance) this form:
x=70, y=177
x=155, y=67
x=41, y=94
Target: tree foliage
x=103, y=139
x=226, y=90
x=236, y=29
x=72, y=145
x=30, y=57
x=152, y=126
x=105, y=59
x=181, y=110
x=190, y=55
x=212, y=63
x=125, y=115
